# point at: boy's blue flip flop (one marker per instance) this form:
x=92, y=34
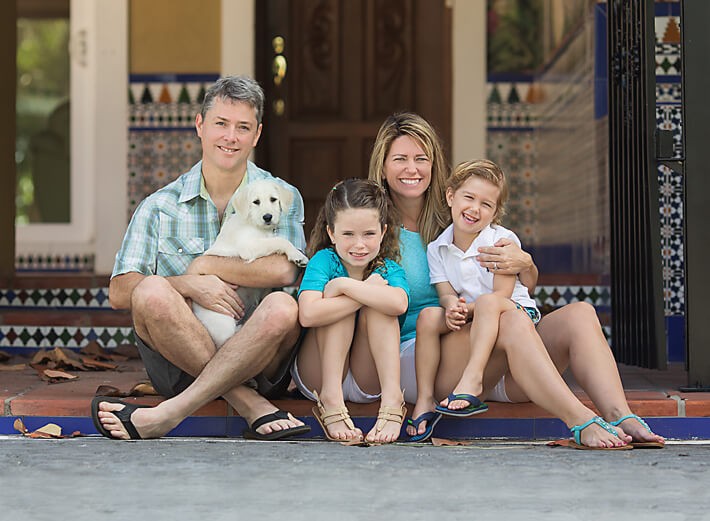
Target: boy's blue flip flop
x=476, y=406
x=432, y=418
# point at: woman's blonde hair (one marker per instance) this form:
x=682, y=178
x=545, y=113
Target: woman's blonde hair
x=357, y=193
x=435, y=215
x=483, y=169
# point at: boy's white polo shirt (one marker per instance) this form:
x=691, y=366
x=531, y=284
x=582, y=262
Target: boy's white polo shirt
x=447, y=263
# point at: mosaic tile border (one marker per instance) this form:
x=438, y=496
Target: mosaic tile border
x=598, y=296
x=72, y=298
x=97, y=298
x=166, y=101
x=60, y=336
x=47, y=262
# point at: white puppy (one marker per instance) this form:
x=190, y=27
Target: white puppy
x=249, y=234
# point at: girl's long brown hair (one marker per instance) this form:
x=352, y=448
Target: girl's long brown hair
x=357, y=194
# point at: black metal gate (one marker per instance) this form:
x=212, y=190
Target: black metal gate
x=638, y=334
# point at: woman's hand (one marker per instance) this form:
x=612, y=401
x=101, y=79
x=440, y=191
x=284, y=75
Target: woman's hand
x=505, y=257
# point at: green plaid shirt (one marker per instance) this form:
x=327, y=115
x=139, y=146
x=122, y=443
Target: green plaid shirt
x=179, y=222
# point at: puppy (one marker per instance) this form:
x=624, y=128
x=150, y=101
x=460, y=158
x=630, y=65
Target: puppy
x=249, y=235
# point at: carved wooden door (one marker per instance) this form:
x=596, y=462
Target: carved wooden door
x=333, y=70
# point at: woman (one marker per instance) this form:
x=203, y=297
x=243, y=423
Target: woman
x=408, y=161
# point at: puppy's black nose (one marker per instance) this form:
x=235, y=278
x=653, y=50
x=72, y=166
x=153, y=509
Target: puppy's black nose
x=267, y=217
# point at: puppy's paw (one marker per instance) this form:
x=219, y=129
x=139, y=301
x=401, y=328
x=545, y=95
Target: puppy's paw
x=299, y=259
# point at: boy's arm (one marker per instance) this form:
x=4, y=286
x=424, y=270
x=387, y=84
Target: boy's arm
x=503, y=285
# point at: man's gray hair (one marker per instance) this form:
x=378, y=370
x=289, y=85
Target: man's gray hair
x=235, y=88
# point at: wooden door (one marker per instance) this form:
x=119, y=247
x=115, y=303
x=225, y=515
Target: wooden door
x=348, y=65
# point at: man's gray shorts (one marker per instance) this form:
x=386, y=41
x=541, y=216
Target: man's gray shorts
x=169, y=380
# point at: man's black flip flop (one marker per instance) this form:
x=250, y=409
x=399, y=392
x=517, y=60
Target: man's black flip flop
x=124, y=416
x=251, y=433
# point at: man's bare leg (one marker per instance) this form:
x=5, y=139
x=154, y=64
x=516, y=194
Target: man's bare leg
x=166, y=322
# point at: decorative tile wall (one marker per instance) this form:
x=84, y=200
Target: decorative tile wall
x=161, y=130
x=29, y=337
x=511, y=144
x=669, y=117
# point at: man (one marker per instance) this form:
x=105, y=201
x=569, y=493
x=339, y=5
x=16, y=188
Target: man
x=159, y=270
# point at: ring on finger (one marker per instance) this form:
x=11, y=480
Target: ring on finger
x=495, y=266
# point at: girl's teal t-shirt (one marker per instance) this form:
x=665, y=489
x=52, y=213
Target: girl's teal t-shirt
x=325, y=266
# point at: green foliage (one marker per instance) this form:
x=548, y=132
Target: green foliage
x=514, y=36
x=42, y=85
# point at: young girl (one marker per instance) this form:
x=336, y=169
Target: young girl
x=476, y=193
x=351, y=296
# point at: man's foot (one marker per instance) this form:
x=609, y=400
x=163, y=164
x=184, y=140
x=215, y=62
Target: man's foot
x=252, y=432
x=638, y=430
x=122, y=421
x=280, y=422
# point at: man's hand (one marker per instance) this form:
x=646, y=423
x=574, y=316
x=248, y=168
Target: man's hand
x=456, y=314
x=211, y=292
x=504, y=257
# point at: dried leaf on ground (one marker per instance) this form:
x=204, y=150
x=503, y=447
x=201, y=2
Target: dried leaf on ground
x=109, y=390
x=55, y=376
x=128, y=350
x=143, y=389
x=57, y=358
x=140, y=389
x=51, y=430
x=19, y=426
x=93, y=363
x=442, y=442
x=94, y=350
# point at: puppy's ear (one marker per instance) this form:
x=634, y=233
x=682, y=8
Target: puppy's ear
x=285, y=197
x=241, y=201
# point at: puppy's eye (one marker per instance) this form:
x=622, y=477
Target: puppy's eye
x=273, y=199
x=256, y=202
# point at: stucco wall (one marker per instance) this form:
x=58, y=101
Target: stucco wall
x=175, y=36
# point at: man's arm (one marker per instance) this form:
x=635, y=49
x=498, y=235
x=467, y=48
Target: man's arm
x=274, y=271
x=121, y=288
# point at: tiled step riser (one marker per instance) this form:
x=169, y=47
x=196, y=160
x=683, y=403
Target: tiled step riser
x=29, y=339
x=33, y=317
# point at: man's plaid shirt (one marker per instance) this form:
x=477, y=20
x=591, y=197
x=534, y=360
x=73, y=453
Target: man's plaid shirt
x=179, y=222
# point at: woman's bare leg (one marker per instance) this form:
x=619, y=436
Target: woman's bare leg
x=573, y=337
x=533, y=371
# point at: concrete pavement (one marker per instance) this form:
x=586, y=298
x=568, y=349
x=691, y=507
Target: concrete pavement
x=233, y=479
